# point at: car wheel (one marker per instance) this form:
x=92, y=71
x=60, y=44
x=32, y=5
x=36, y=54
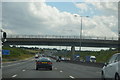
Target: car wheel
x=117, y=77
x=50, y=68
x=36, y=68
x=102, y=75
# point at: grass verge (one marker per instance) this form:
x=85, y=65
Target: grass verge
x=16, y=54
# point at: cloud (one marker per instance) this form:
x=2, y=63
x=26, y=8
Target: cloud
x=35, y=18
x=82, y=6
x=107, y=8
x=104, y=22
x=39, y=18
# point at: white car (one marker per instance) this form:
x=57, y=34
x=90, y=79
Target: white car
x=112, y=68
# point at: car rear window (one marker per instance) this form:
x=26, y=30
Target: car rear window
x=44, y=59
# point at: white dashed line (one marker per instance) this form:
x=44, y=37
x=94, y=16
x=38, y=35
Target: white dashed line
x=56, y=68
x=71, y=77
x=61, y=71
x=23, y=70
x=17, y=63
x=14, y=75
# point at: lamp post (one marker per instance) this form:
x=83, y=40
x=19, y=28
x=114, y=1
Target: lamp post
x=118, y=29
x=1, y=53
x=80, y=30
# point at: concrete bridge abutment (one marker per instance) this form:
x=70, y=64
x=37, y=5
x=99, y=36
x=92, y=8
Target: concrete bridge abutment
x=72, y=52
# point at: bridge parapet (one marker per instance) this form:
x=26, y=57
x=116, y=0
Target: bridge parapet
x=62, y=37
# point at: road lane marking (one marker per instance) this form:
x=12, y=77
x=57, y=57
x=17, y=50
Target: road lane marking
x=71, y=77
x=11, y=65
x=61, y=71
x=14, y=75
x=17, y=63
x=56, y=68
x=23, y=70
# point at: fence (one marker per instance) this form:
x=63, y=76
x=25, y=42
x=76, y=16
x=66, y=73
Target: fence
x=66, y=37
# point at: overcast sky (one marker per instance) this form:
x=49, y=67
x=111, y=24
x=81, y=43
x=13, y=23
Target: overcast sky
x=57, y=18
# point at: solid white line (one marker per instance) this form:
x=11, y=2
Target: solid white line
x=11, y=65
x=61, y=71
x=14, y=75
x=71, y=77
x=16, y=63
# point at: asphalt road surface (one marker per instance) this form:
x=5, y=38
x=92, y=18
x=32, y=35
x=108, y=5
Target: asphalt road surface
x=26, y=69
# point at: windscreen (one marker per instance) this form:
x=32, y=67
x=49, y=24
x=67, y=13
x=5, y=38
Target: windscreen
x=44, y=59
x=93, y=58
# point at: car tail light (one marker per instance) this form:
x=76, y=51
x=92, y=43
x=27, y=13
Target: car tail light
x=49, y=62
x=38, y=62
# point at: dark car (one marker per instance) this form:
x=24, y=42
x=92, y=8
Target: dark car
x=58, y=59
x=44, y=62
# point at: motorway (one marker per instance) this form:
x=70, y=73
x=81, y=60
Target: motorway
x=26, y=69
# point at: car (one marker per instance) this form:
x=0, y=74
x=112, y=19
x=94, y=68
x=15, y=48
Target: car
x=58, y=60
x=111, y=69
x=44, y=62
x=36, y=58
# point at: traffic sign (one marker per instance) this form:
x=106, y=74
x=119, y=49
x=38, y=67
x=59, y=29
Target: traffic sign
x=5, y=52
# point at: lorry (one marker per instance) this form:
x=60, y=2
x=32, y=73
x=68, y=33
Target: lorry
x=90, y=59
x=58, y=58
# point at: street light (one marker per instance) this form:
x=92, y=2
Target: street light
x=119, y=32
x=80, y=29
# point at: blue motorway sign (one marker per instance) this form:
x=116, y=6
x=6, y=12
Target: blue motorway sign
x=5, y=52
